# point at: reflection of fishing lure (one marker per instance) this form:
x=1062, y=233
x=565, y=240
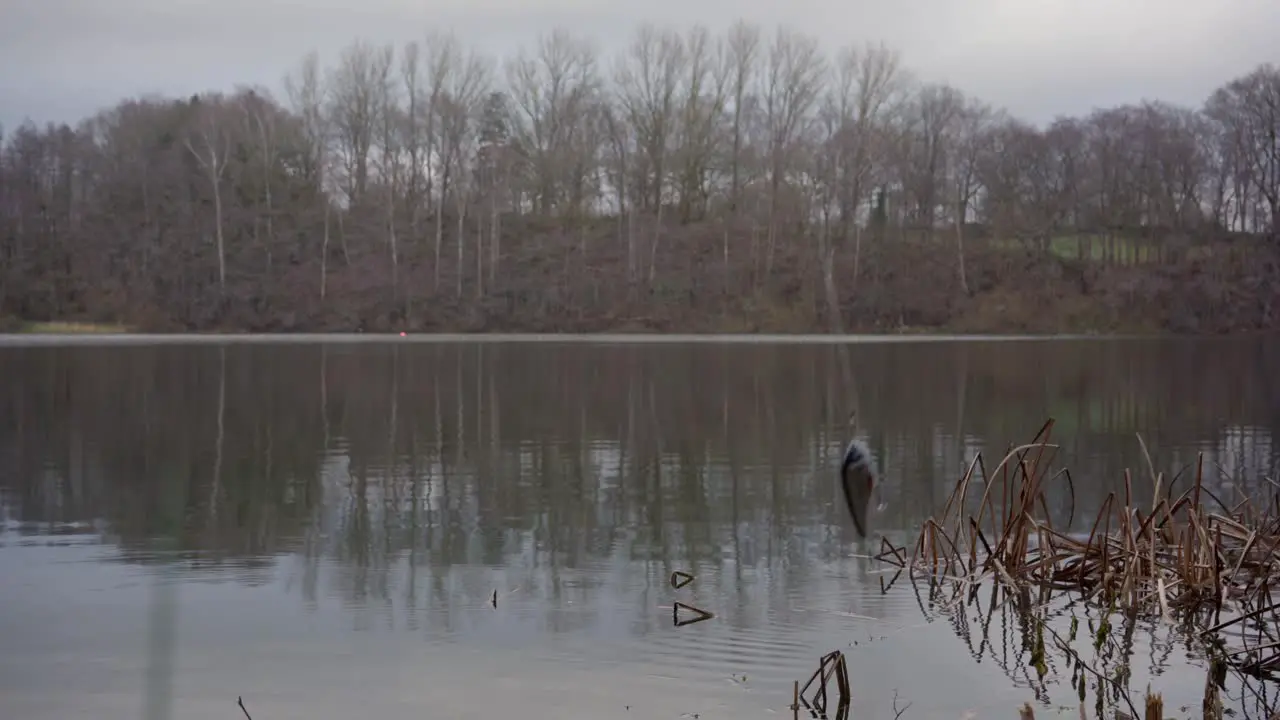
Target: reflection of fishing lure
x=857, y=480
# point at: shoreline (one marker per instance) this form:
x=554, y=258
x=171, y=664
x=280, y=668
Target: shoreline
x=47, y=339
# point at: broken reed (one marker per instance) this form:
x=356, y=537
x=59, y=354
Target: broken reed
x=1181, y=557
x=831, y=666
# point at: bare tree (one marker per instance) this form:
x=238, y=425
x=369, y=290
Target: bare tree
x=825, y=193
x=971, y=135
x=210, y=146
x=878, y=85
x=308, y=98
x=414, y=139
x=1065, y=144
x=705, y=83
x=444, y=56
x=1248, y=109
x=933, y=120
x=460, y=106
x=493, y=170
x=619, y=158
x=390, y=137
x=1018, y=201
x=550, y=90
x=454, y=123
x=743, y=52
x=262, y=119
x=353, y=108
x=648, y=78
x=792, y=86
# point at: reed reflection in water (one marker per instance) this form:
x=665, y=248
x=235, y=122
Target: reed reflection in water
x=322, y=514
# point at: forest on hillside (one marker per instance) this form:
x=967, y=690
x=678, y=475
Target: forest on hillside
x=689, y=181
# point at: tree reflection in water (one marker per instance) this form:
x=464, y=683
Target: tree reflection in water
x=409, y=480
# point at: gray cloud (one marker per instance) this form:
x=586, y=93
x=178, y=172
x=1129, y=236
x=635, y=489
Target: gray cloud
x=64, y=59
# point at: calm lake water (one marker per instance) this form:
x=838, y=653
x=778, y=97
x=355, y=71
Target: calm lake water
x=320, y=528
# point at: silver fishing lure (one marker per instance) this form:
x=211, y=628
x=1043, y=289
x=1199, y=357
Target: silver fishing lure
x=858, y=477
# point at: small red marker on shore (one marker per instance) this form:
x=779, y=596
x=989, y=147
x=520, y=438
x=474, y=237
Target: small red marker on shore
x=401, y=334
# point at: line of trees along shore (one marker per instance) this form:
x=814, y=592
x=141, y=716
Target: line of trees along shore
x=688, y=181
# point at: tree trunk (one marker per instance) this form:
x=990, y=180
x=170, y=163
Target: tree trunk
x=653, y=248
x=222, y=255
x=462, y=216
x=479, y=254
x=495, y=229
x=964, y=280
x=324, y=253
x=435, y=270
x=391, y=241
x=833, y=295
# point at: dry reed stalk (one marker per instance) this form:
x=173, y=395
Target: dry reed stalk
x=1177, y=558
x=832, y=665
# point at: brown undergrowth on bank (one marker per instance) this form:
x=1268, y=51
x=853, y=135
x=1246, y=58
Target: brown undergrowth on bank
x=1203, y=566
x=584, y=279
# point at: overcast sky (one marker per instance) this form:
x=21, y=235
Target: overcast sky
x=61, y=60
